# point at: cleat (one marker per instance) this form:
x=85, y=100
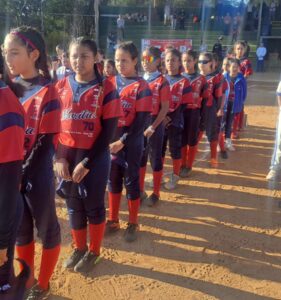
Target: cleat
x=131, y=232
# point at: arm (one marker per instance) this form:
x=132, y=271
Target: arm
x=42, y=146
x=108, y=131
x=135, y=128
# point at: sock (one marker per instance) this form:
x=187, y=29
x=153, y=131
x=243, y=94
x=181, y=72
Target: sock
x=214, y=145
x=157, y=179
x=222, y=141
x=49, y=260
x=27, y=253
x=114, y=205
x=142, y=177
x=177, y=166
x=235, y=124
x=241, y=119
x=80, y=238
x=192, y=150
x=133, y=206
x=96, y=232
x=200, y=136
x=183, y=156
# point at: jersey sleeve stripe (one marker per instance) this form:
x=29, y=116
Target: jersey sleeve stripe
x=187, y=90
x=11, y=119
x=144, y=93
x=51, y=106
x=110, y=96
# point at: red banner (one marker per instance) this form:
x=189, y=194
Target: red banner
x=180, y=44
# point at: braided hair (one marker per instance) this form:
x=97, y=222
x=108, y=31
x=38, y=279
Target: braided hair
x=32, y=39
x=91, y=45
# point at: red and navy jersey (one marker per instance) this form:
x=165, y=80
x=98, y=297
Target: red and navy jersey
x=12, y=126
x=181, y=92
x=215, y=89
x=84, y=106
x=160, y=89
x=43, y=108
x=135, y=96
x=224, y=85
x=199, y=87
x=246, y=67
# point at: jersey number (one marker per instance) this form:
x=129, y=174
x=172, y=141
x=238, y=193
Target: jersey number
x=88, y=126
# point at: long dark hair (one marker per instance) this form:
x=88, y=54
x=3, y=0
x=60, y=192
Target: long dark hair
x=18, y=89
x=32, y=39
x=92, y=46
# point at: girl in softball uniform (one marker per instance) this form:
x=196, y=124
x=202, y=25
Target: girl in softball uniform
x=127, y=148
x=181, y=92
x=90, y=111
x=154, y=133
x=192, y=114
x=25, y=55
x=12, y=132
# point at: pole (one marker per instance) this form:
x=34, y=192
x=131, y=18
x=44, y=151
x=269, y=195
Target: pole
x=149, y=15
x=260, y=21
x=97, y=20
x=42, y=17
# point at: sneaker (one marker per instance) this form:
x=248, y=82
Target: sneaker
x=74, y=258
x=224, y=155
x=87, y=262
x=185, y=172
x=131, y=232
x=152, y=200
x=143, y=196
x=172, y=183
x=272, y=174
x=37, y=293
x=228, y=145
x=214, y=163
x=112, y=226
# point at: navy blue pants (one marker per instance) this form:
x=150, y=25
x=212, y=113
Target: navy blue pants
x=212, y=128
x=153, y=150
x=173, y=135
x=228, y=120
x=90, y=209
x=10, y=174
x=191, y=127
x=126, y=169
x=202, y=123
x=39, y=208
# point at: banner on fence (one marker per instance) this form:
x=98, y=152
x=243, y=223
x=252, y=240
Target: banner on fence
x=180, y=44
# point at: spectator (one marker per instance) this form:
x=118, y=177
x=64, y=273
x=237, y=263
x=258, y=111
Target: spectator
x=173, y=21
x=275, y=167
x=227, y=24
x=217, y=48
x=272, y=10
x=235, y=30
x=167, y=13
x=181, y=19
x=261, y=53
x=65, y=68
x=121, y=28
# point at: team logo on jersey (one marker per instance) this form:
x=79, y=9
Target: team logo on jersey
x=29, y=131
x=68, y=114
x=126, y=104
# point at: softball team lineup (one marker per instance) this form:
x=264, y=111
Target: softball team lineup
x=92, y=127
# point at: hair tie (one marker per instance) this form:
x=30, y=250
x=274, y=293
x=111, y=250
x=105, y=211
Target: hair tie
x=25, y=39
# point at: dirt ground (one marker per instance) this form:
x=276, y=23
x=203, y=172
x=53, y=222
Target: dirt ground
x=216, y=237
